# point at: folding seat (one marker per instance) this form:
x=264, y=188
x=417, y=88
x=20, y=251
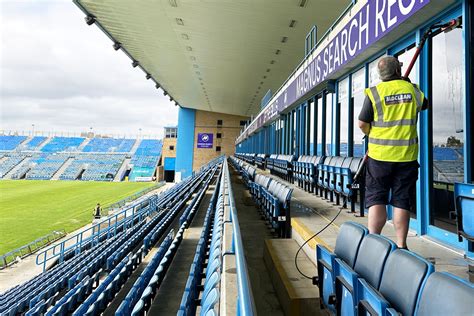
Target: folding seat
x=210, y=301
x=327, y=176
x=210, y=283
x=339, y=178
x=347, y=246
x=348, y=180
x=403, y=277
x=322, y=167
x=464, y=203
x=334, y=175
x=446, y=294
x=370, y=261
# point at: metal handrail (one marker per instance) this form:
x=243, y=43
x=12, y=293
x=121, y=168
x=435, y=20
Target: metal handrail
x=112, y=224
x=245, y=300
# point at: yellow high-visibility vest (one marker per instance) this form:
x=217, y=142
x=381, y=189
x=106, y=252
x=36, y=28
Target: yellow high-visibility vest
x=393, y=135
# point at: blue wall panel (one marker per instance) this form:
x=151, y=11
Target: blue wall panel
x=185, y=143
x=170, y=163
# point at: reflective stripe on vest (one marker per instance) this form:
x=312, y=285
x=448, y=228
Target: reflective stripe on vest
x=393, y=135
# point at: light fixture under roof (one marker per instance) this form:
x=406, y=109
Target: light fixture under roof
x=195, y=66
x=292, y=23
x=268, y=70
x=192, y=57
x=179, y=21
x=189, y=48
x=303, y=3
x=272, y=62
x=135, y=63
x=117, y=46
x=277, y=52
x=173, y=3
x=185, y=36
x=284, y=39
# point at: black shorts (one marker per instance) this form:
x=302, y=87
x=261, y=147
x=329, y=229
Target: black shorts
x=397, y=178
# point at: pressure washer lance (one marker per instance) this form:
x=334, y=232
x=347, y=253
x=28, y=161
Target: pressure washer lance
x=433, y=30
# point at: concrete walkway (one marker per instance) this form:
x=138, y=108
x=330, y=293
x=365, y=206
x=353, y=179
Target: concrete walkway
x=310, y=213
x=254, y=233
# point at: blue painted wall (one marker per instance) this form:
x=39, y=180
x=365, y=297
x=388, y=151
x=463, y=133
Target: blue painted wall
x=185, y=143
x=170, y=163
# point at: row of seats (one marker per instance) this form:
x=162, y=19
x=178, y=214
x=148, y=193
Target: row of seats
x=367, y=274
x=140, y=297
x=36, y=294
x=261, y=160
x=330, y=177
x=305, y=172
x=282, y=166
x=109, y=145
x=10, y=142
x=59, y=144
x=190, y=300
x=335, y=177
x=272, y=197
x=247, y=157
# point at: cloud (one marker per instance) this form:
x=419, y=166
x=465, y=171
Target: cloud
x=62, y=75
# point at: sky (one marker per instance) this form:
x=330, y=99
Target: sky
x=63, y=76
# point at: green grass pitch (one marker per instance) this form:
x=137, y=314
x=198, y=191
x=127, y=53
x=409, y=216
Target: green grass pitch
x=32, y=209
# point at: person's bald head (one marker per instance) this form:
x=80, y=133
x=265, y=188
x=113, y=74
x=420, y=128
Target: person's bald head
x=389, y=67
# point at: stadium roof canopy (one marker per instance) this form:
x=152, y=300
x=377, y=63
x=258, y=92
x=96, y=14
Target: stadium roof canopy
x=215, y=55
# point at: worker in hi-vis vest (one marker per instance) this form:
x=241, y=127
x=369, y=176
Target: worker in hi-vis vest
x=389, y=118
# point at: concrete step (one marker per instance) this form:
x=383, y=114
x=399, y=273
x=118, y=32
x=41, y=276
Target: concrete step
x=47, y=140
x=123, y=168
x=83, y=144
x=135, y=146
x=63, y=168
x=9, y=174
x=297, y=294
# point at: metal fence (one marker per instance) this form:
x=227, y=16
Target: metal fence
x=13, y=256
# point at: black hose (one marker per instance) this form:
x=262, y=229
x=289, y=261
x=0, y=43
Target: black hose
x=301, y=247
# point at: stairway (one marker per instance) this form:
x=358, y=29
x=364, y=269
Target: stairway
x=47, y=140
x=121, y=171
x=62, y=169
x=135, y=146
x=9, y=174
x=84, y=144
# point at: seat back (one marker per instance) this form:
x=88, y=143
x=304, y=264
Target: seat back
x=337, y=161
x=464, y=198
x=445, y=294
x=348, y=241
x=402, y=279
x=373, y=253
x=347, y=162
x=355, y=163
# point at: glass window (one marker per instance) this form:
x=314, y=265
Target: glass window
x=343, y=98
x=373, y=72
x=329, y=102
x=311, y=127
x=320, y=127
x=447, y=99
x=405, y=57
x=358, y=96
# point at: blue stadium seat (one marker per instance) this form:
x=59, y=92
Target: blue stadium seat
x=404, y=275
x=464, y=203
x=373, y=253
x=446, y=294
x=347, y=246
